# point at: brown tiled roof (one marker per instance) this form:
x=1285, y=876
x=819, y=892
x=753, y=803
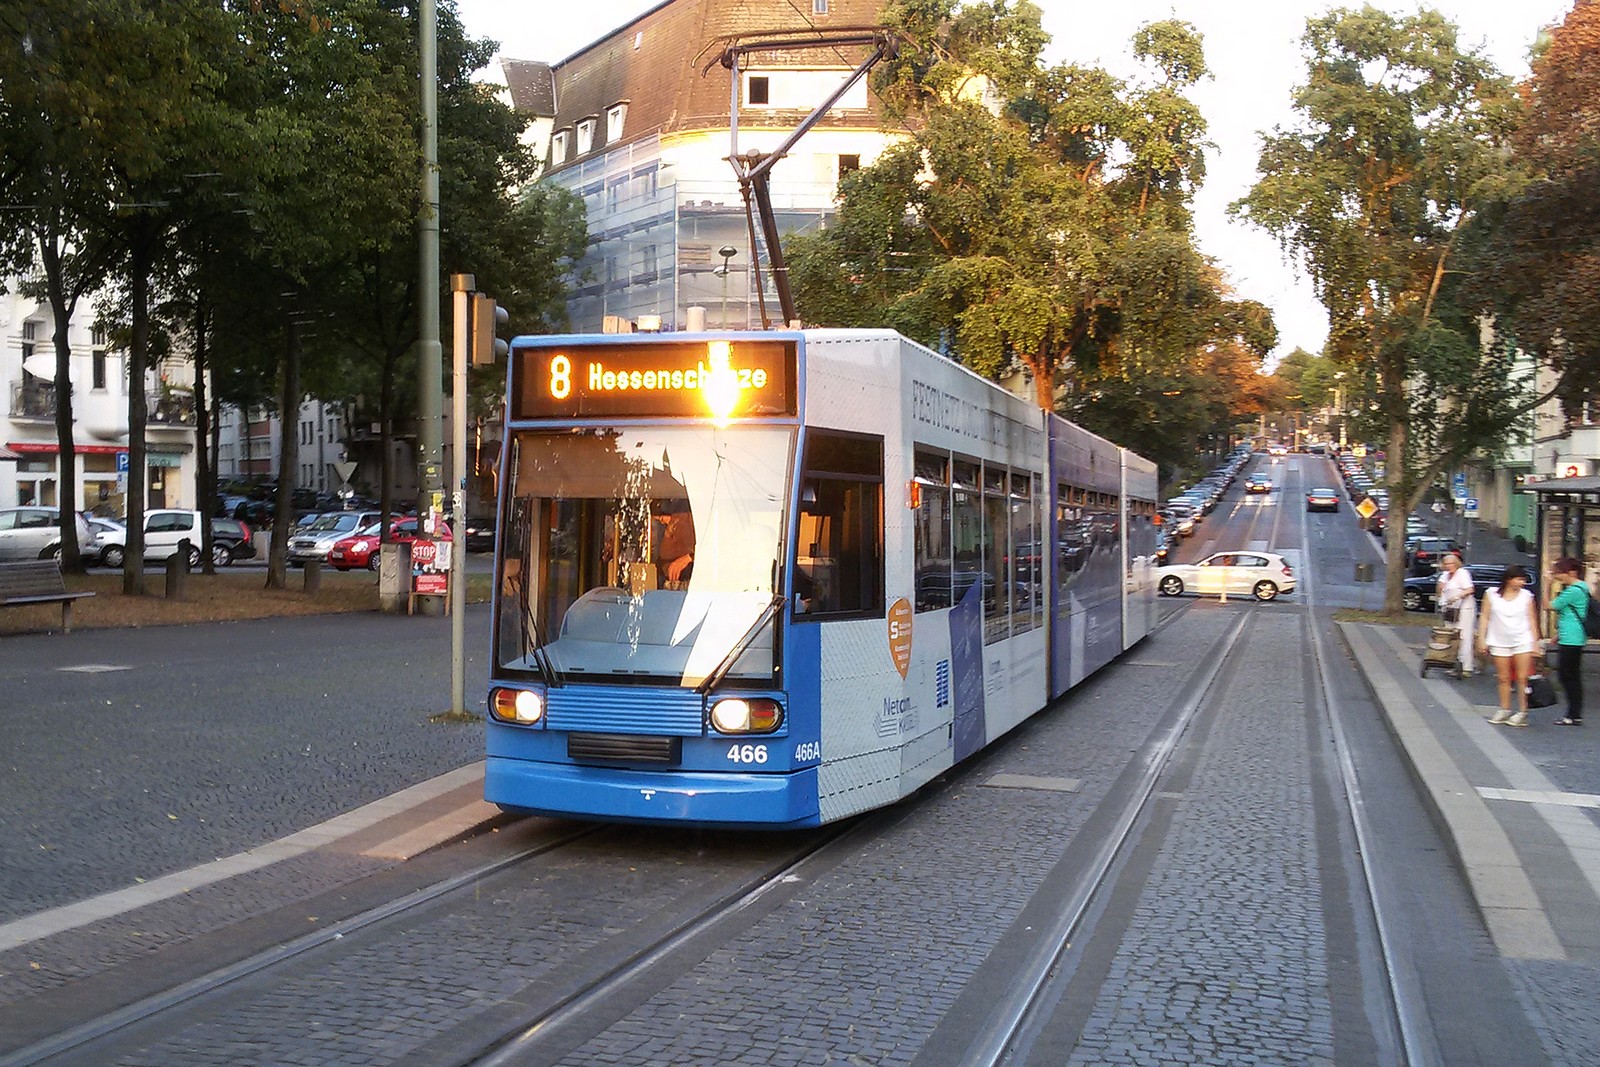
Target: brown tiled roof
x=654, y=63
x=532, y=85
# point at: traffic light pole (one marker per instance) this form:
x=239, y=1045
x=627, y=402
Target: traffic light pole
x=430, y=356
x=461, y=296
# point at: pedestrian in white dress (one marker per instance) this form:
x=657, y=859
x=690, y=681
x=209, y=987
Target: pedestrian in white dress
x=1509, y=631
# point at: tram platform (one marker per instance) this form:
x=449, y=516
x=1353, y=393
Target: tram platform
x=1519, y=806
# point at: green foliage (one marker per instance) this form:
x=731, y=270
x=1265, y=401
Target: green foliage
x=1542, y=237
x=1400, y=140
x=1062, y=246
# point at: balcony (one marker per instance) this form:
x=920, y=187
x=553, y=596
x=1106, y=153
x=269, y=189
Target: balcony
x=170, y=407
x=33, y=400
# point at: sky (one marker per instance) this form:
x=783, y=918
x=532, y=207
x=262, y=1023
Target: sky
x=1252, y=48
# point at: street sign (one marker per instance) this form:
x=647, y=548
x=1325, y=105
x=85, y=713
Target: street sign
x=122, y=463
x=1460, y=493
x=344, y=471
x=423, y=552
x=1472, y=507
x=1366, y=509
x=1458, y=479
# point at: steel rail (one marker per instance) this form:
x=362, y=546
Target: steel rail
x=139, y=1011
x=1405, y=996
x=993, y=1043
x=518, y=1048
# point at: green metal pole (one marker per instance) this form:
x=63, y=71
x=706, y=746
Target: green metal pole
x=430, y=354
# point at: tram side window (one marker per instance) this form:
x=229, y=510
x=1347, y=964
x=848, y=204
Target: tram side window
x=997, y=556
x=1027, y=556
x=839, y=552
x=931, y=481
x=966, y=530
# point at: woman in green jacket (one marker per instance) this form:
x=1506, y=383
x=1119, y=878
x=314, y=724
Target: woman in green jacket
x=1570, y=606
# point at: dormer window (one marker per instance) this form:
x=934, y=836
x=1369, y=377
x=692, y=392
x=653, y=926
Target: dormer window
x=616, y=115
x=585, y=135
x=558, y=147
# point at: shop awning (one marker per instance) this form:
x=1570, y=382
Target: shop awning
x=50, y=447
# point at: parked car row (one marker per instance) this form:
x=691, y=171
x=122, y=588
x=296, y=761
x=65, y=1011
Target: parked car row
x=1421, y=590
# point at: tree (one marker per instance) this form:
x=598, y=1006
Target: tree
x=1062, y=247
x=1400, y=142
x=1542, y=248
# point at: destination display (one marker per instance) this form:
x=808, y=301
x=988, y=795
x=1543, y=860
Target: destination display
x=690, y=379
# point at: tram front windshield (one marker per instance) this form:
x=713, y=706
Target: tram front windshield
x=643, y=555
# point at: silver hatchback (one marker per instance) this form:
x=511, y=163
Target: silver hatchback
x=35, y=533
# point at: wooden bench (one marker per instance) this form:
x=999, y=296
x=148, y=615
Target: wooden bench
x=37, y=582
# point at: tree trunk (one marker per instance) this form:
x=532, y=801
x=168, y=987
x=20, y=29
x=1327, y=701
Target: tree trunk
x=139, y=257
x=1394, y=403
x=288, y=455
x=204, y=458
x=61, y=308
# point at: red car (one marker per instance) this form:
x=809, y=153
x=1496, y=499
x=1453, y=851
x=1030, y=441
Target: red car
x=361, y=549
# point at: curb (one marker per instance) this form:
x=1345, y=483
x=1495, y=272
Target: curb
x=1483, y=852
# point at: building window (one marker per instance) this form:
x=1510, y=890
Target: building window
x=616, y=115
x=819, y=7
x=615, y=194
x=558, y=148
x=757, y=90
x=30, y=333
x=848, y=164
x=647, y=257
x=585, y=135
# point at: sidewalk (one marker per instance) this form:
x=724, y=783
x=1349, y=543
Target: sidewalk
x=1521, y=810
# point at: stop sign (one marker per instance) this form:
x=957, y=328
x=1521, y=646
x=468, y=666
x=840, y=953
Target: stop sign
x=423, y=551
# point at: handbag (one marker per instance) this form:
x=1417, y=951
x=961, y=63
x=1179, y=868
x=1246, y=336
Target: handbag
x=1541, y=694
x=1452, y=613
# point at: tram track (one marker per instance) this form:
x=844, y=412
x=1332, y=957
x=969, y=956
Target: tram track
x=196, y=989
x=1402, y=1036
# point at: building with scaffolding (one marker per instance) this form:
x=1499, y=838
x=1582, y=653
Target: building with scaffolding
x=640, y=124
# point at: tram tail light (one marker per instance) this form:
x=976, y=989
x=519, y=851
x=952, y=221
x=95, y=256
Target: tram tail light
x=740, y=716
x=524, y=707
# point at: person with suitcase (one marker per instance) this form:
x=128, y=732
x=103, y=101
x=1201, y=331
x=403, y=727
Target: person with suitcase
x=1509, y=631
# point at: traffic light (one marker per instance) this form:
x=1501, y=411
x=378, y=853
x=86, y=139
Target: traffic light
x=487, y=318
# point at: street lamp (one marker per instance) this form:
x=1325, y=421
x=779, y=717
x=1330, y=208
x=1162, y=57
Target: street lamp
x=727, y=252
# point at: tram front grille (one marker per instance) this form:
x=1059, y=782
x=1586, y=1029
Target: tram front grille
x=625, y=748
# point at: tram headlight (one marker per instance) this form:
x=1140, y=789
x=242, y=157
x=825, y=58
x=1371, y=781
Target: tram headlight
x=524, y=707
x=741, y=716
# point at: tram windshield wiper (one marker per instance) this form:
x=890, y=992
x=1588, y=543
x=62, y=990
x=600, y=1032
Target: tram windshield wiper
x=720, y=671
x=535, y=647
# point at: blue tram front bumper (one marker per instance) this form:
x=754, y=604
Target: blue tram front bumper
x=777, y=801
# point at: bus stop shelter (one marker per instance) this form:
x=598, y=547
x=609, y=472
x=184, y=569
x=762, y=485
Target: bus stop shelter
x=1568, y=523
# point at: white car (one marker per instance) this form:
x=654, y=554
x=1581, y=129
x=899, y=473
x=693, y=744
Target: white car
x=164, y=530
x=1262, y=575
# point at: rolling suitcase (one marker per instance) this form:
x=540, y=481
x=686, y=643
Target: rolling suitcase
x=1444, y=649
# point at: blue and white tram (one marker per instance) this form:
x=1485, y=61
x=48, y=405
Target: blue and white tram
x=777, y=579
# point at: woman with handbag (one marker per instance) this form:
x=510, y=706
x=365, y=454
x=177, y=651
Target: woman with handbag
x=1570, y=606
x=1458, y=605
x=1508, y=630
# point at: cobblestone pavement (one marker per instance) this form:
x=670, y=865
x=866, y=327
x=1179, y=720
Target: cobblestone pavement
x=209, y=740
x=1225, y=960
